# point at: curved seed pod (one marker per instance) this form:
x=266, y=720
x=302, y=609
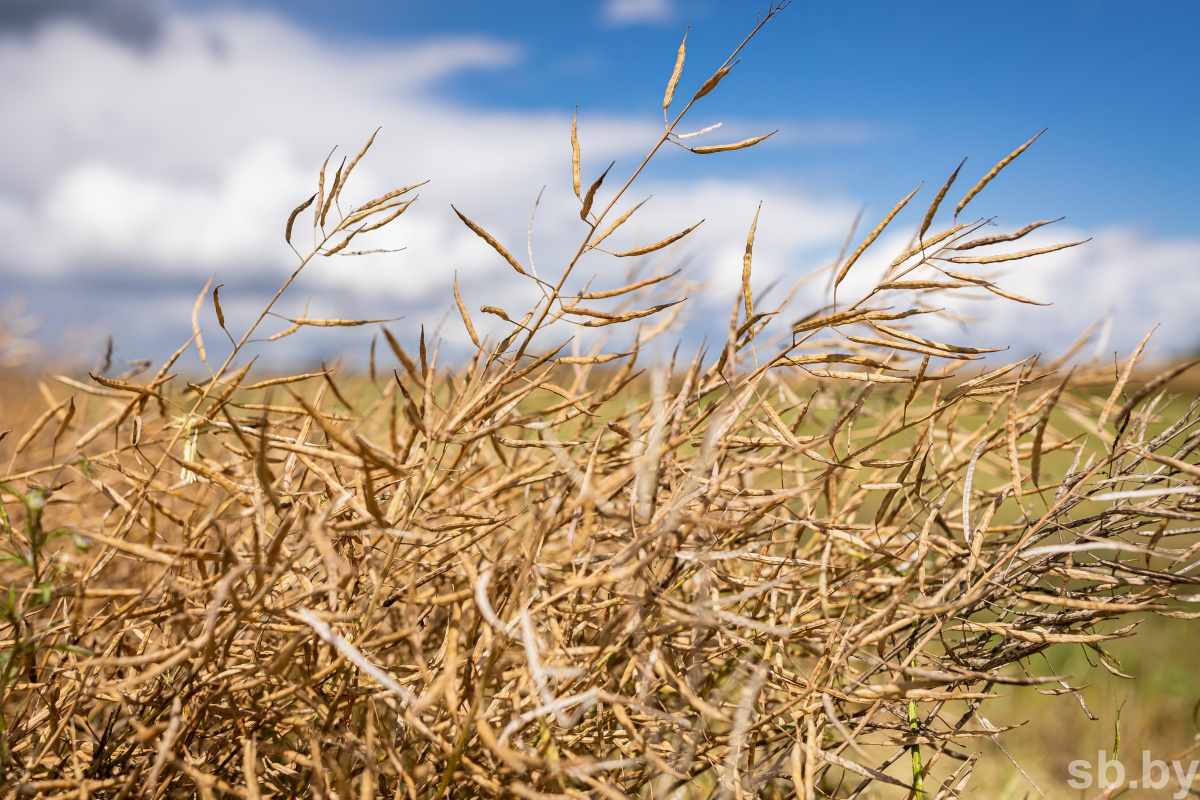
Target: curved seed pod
x=986, y=179
x=321, y=189
x=650, y=248
x=937, y=201
x=337, y=180
x=287, y=234
x=337, y=190
x=746, y=265
x=600, y=359
x=908, y=337
x=575, y=152
x=612, y=319
x=712, y=82
x=390, y=195
x=725, y=148
x=675, y=73
x=487, y=237
x=911, y=348
x=590, y=197
x=1006, y=237
x=1037, y=251
x=872, y=237
x=628, y=288
x=462, y=309
x=217, y=305
x=337, y=323
x=619, y=222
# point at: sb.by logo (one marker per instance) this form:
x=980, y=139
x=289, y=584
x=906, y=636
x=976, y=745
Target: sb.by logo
x=1111, y=772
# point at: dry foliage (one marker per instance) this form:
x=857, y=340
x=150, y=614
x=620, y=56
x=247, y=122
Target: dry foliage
x=778, y=568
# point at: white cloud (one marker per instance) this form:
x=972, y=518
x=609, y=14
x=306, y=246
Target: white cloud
x=143, y=171
x=638, y=12
x=1143, y=281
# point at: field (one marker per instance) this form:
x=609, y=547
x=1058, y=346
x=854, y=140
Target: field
x=826, y=556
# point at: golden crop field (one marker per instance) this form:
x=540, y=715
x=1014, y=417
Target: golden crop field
x=826, y=556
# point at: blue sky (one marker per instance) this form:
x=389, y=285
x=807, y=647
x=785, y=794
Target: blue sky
x=925, y=84
x=153, y=143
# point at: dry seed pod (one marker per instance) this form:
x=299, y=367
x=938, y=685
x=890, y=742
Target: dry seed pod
x=618, y=223
x=217, y=305
x=869, y=377
x=196, y=320
x=337, y=179
x=712, y=82
x=340, y=246
x=832, y=358
x=911, y=348
x=650, y=248
x=675, y=74
x=487, y=237
x=607, y=319
x=136, y=435
x=390, y=195
x=839, y=318
x=66, y=420
x=321, y=189
x=908, y=337
x=1154, y=385
x=591, y=194
x=354, y=162
x=1122, y=380
x=642, y=284
x=374, y=226
x=498, y=312
x=922, y=246
x=601, y=359
x=746, y=294
x=287, y=234
x=986, y=179
x=1007, y=237
x=1037, y=251
x=915, y=285
x=338, y=323
x=280, y=381
x=462, y=310
x=124, y=386
x=295, y=326
x=725, y=148
x=575, y=153
x=363, y=213
x=871, y=238
x=937, y=201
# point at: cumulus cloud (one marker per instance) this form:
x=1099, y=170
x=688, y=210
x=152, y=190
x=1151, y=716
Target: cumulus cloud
x=638, y=12
x=1141, y=280
x=144, y=171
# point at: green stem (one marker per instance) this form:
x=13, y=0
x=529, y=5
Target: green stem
x=914, y=723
